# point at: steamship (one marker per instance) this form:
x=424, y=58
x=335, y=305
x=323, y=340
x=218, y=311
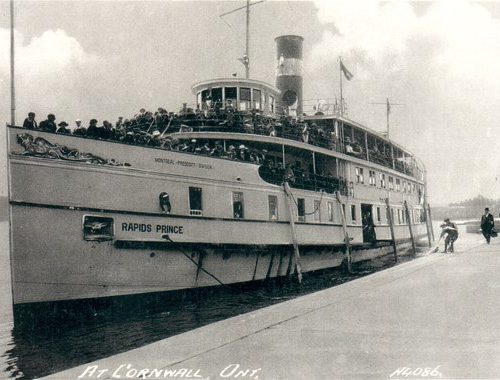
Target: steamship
x=96, y=218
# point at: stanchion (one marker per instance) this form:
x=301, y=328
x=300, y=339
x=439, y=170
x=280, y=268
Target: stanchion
x=347, y=240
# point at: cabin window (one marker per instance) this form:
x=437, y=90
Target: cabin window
x=353, y=213
x=359, y=176
x=330, y=211
x=195, y=201
x=391, y=183
x=399, y=216
x=404, y=186
x=373, y=179
x=398, y=184
x=317, y=210
x=301, y=209
x=238, y=212
x=273, y=207
x=257, y=101
x=403, y=216
x=245, y=98
x=382, y=180
x=379, y=218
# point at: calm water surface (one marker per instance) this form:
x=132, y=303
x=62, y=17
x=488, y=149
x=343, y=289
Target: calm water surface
x=47, y=340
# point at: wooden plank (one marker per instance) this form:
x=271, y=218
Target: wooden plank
x=347, y=240
x=391, y=226
x=289, y=200
x=408, y=219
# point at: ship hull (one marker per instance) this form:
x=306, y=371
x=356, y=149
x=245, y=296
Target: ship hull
x=54, y=200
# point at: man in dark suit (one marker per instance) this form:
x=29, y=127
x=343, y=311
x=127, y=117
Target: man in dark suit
x=487, y=224
x=49, y=125
x=29, y=122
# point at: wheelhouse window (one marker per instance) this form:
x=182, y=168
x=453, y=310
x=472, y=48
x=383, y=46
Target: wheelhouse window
x=317, y=210
x=245, y=98
x=330, y=211
x=195, y=201
x=231, y=96
x=257, y=99
x=301, y=209
x=271, y=103
x=217, y=97
x=238, y=205
x=273, y=207
x=353, y=213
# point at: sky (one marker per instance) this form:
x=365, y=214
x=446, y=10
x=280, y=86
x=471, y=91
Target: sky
x=439, y=60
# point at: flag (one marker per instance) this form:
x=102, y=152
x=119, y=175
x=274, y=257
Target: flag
x=388, y=106
x=348, y=75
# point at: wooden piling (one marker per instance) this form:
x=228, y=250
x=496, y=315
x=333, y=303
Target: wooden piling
x=408, y=219
x=391, y=226
x=289, y=200
x=430, y=221
x=347, y=240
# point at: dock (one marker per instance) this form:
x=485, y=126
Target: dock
x=434, y=317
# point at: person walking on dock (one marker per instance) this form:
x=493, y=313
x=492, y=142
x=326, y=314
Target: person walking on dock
x=451, y=231
x=487, y=224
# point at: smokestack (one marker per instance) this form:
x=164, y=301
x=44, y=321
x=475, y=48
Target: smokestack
x=289, y=71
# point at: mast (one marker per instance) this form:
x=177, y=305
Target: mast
x=12, y=87
x=246, y=57
x=341, y=97
x=247, y=45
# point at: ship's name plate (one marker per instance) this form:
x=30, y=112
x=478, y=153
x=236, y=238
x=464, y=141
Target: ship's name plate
x=187, y=164
x=160, y=228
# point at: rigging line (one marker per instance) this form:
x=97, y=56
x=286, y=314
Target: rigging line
x=315, y=209
x=166, y=237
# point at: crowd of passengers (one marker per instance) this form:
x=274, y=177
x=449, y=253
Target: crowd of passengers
x=152, y=129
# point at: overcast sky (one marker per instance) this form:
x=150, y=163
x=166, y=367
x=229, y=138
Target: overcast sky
x=86, y=59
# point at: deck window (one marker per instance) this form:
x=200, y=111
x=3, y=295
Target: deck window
x=359, y=176
x=301, y=209
x=398, y=184
x=231, y=96
x=330, y=212
x=399, y=216
x=391, y=183
x=273, y=207
x=271, y=103
x=195, y=201
x=353, y=213
x=379, y=219
x=238, y=209
x=317, y=210
x=382, y=180
x=373, y=179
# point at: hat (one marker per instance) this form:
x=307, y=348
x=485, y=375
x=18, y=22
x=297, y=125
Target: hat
x=242, y=146
x=446, y=220
x=31, y=114
x=63, y=124
x=193, y=140
x=50, y=116
x=93, y=121
x=156, y=133
x=78, y=121
x=486, y=209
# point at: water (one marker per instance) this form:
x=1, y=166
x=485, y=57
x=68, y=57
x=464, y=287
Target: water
x=51, y=338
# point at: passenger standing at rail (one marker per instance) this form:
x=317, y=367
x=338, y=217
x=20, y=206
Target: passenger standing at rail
x=49, y=125
x=487, y=224
x=30, y=122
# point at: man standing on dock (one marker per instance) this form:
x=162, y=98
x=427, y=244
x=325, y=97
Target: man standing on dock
x=451, y=231
x=487, y=224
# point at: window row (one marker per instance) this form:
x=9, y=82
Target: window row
x=332, y=212
x=392, y=183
